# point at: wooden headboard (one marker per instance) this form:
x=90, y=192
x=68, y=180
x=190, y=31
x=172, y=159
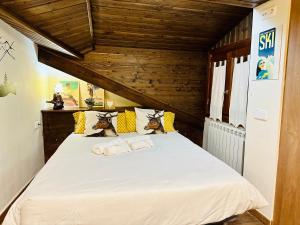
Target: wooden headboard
x=59, y=124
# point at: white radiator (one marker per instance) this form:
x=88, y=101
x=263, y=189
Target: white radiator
x=225, y=142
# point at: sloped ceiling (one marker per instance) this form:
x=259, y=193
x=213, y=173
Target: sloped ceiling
x=152, y=52
x=64, y=20
x=161, y=24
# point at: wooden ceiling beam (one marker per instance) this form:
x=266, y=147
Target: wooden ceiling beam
x=77, y=69
x=151, y=45
x=189, y=4
x=171, y=6
x=239, y=3
x=36, y=35
x=174, y=10
x=89, y=11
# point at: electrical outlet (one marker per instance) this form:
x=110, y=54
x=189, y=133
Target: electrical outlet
x=37, y=124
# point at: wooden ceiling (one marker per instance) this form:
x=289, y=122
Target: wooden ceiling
x=77, y=25
x=64, y=20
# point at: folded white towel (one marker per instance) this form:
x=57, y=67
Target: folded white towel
x=119, y=145
x=139, y=142
x=114, y=147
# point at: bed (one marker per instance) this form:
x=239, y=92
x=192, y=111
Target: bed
x=173, y=183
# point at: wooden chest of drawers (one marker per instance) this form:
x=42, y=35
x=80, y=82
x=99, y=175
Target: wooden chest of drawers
x=57, y=125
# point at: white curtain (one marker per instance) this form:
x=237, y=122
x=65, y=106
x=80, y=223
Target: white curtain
x=205, y=134
x=217, y=93
x=239, y=93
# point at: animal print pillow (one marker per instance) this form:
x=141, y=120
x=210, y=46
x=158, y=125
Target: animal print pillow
x=149, y=121
x=100, y=124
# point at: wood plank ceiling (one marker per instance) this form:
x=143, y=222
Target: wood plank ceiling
x=65, y=20
x=160, y=24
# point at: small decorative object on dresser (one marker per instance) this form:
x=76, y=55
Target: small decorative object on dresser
x=90, y=102
x=57, y=100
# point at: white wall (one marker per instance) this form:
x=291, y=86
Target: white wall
x=262, y=137
x=21, y=145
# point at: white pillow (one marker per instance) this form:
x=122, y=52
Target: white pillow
x=100, y=124
x=149, y=121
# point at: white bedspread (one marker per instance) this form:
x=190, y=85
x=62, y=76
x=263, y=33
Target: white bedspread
x=174, y=183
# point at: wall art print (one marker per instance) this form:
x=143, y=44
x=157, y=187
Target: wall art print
x=88, y=90
x=268, y=60
x=7, y=87
x=70, y=93
x=6, y=49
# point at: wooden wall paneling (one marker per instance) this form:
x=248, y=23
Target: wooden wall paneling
x=175, y=77
x=78, y=69
x=287, y=201
x=195, y=134
x=239, y=33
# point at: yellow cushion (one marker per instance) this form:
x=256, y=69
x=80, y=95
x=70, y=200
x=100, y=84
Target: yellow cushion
x=80, y=125
x=76, y=116
x=121, y=125
x=130, y=121
x=169, y=118
x=126, y=122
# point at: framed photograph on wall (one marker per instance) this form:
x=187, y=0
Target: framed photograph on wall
x=269, y=53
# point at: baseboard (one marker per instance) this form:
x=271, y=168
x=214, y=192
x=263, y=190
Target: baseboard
x=4, y=212
x=260, y=217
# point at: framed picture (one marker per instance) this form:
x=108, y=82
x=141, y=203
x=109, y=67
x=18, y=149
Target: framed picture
x=88, y=90
x=269, y=53
x=70, y=93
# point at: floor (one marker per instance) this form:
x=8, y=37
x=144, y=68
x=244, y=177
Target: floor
x=245, y=219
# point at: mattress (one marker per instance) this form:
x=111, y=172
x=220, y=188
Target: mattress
x=174, y=183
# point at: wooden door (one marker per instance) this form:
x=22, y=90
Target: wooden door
x=287, y=203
